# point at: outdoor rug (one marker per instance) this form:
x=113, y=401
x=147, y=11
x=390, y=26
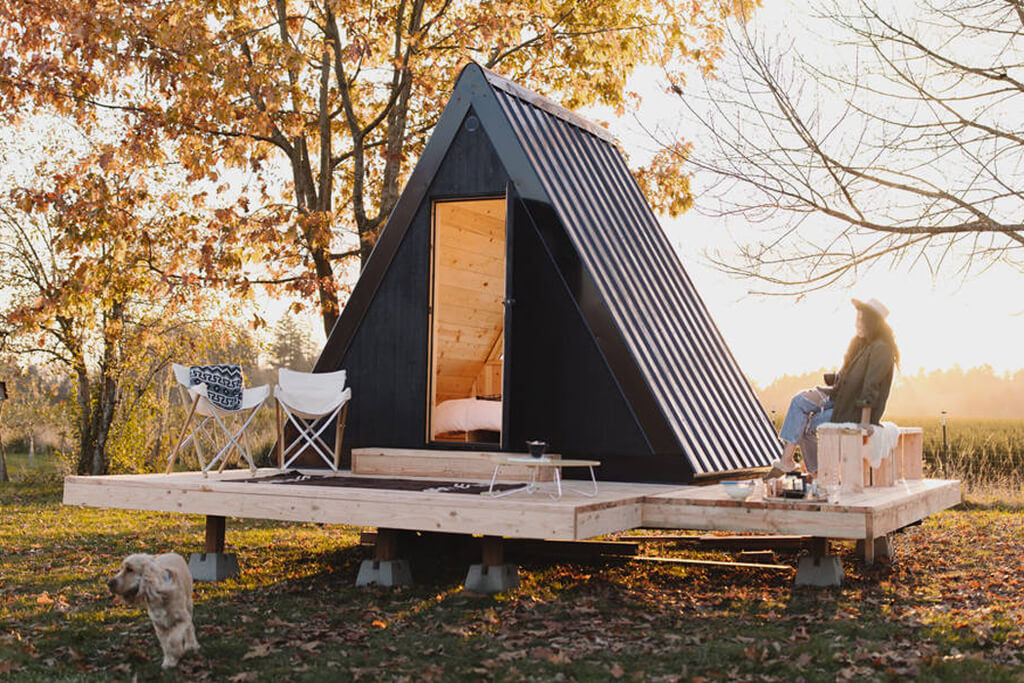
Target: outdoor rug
x=425, y=485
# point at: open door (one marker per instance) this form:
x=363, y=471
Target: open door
x=467, y=322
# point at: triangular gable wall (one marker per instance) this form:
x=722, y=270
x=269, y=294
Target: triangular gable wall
x=384, y=348
x=654, y=333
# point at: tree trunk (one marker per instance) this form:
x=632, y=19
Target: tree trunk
x=97, y=403
x=104, y=418
x=84, y=417
x=329, y=306
x=3, y=451
x=95, y=423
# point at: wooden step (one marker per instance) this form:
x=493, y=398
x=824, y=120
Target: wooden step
x=408, y=462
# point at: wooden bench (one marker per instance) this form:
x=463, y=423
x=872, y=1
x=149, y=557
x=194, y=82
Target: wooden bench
x=458, y=464
x=843, y=456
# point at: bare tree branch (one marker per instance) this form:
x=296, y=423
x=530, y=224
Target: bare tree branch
x=909, y=152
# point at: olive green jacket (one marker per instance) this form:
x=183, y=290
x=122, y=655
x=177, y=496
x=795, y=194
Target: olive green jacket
x=864, y=381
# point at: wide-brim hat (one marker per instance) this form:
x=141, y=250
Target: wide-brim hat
x=873, y=305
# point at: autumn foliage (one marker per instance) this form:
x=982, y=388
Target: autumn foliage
x=302, y=119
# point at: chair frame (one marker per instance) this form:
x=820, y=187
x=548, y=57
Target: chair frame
x=195, y=397
x=309, y=423
x=310, y=437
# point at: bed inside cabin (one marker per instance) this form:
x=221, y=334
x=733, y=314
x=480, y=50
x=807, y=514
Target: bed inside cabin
x=467, y=321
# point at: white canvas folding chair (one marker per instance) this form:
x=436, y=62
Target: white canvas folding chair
x=198, y=403
x=311, y=401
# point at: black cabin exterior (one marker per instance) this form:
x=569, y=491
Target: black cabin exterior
x=522, y=272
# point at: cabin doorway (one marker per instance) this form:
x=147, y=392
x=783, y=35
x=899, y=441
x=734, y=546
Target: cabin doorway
x=467, y=321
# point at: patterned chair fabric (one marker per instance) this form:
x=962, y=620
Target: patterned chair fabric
x=223, y=383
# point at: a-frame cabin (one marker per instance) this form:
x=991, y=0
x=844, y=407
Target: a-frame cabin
x=522, y=261
x=523, y=289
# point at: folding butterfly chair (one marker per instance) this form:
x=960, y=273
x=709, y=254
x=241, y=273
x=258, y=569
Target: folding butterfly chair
x=211, y=416
x=311, y=402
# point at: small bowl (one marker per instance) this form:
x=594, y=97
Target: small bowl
x=738, y=488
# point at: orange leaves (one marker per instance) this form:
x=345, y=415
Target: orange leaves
x=259, y=650
x=234, y=86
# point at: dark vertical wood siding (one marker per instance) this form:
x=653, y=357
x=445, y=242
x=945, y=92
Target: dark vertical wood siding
x=388, y=356
x=561, y=388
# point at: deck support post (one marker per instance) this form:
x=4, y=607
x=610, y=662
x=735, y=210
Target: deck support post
x=216, y=527
x=493, y=574
x=386, y=568
x=818, y=568
x=214, y=564
x=876, y=548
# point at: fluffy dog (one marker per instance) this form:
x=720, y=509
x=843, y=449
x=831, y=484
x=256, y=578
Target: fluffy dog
x=164, y=585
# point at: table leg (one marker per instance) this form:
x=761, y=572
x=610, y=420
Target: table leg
x=593, y=480
x=494, y=477
x=532, y=486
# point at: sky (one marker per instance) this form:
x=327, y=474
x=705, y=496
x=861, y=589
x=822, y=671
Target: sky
x=939, y=322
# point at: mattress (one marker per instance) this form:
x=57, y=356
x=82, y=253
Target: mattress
x=465, y=415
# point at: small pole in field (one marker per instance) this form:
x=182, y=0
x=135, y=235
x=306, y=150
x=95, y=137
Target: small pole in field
x=945, y=441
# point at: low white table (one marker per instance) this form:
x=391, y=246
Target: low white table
x=535, y=465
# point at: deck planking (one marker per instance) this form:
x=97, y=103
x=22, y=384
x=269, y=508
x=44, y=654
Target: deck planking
x=573, y=517
x=870, y=514
x=617, y=506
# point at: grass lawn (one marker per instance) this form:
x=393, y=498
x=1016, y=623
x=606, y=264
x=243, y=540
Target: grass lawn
x=950, y=608
x=20, y=466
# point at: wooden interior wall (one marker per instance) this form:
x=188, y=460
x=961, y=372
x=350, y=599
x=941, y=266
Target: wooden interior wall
x=488, y=382
x=469, y=287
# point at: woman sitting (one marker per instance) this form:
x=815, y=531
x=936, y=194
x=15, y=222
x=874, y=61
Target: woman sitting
x=857, y=394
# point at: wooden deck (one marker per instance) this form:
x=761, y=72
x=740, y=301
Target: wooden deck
x=617, y=506
x=871, y=514
x=573, y=517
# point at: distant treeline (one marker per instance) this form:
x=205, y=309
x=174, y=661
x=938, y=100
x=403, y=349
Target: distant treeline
x=976, y=392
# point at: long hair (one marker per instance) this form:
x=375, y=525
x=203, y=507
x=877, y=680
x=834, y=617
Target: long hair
x=875, y=327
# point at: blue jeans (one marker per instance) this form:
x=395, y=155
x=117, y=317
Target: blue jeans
x=801, y=426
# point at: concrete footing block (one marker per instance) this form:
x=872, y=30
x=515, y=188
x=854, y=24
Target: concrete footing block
x=492, y=579
x=212, y=566
x=820, y=572
x=386, y=573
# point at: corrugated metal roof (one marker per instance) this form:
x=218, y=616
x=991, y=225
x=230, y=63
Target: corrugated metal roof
x=707, y=402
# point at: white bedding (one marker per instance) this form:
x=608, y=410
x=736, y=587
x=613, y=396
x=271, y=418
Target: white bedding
x=466, y=414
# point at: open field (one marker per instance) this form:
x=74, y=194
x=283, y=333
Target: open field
x=987, y=455
x=950, y=608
